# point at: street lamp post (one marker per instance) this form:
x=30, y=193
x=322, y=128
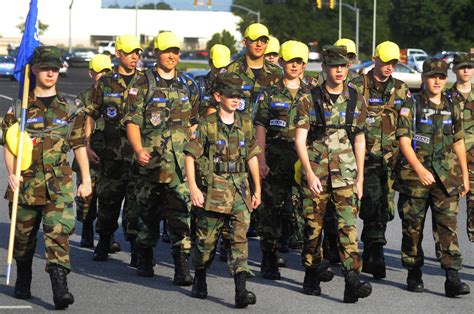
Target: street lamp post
x=356, y=10
x=257, y=13
x=374, y=32
x=70, y=27
x=136, y=18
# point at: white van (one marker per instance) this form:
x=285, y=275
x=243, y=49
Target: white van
x=416, y=51
x=106, y=46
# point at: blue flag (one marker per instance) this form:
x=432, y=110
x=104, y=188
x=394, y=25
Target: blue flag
x=29, y=42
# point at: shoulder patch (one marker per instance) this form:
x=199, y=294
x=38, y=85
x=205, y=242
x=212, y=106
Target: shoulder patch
x=404, y=111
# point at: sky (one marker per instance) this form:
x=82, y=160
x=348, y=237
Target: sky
x=221, y=5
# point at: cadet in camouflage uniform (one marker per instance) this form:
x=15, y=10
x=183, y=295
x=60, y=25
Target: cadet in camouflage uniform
x=219, y=58
x=87, y=209
x=272, y=52
x=433, y=173
x=463, y=92
x=275, y=132
x=159, y=123
x=385, y=95
x=114, y=184
x=46, y=188
x=257, y=74
x=225, y=150
x=330, y=143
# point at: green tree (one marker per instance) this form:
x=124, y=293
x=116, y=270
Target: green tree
x=225, y=38
x=156, y=6
x=42, y=27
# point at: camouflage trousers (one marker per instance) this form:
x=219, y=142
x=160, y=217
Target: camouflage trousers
x=444, y=210
x=208, y=227
x=345, y=207
x=278, y=190
x=156, y=201
x=378, y=204
x=112, y=192
x=58, y=224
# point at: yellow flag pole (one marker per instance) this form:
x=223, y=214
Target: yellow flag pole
x=24, y=104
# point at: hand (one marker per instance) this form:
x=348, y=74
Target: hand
x=256, y=201
x=143, y=157
x=197, y=198
x=85, y=189
x=263, y=169
x=314, y=184
x=426, y=178
x=360, y=187
x=93, y=157
x=13, y=182
x=466, y=188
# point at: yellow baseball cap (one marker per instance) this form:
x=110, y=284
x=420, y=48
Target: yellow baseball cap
x=166, y=40
x=292, y=49
x=100, y=62
x=387, y=51
x=12, y=137
x=273, y=45
x=127, y=43
x=349, y=44
x=255, y=31
x=220, y=55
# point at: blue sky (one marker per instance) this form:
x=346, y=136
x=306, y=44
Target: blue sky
x=221, y=5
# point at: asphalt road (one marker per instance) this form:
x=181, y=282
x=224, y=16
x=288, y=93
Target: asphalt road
x=112, y=287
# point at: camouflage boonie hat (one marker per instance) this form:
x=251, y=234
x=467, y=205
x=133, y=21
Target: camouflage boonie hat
x=228, y=84
x=47, y=57
x=335, y=55
x=462, y=60
x=435, y=66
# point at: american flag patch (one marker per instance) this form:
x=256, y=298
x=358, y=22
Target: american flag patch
x=404, y=111
x=133, y=91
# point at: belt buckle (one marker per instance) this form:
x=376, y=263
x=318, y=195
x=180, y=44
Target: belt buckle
x=232, y=166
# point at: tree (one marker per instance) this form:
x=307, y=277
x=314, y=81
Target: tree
x=42, y=27
x=225, y=38
x=151, y=6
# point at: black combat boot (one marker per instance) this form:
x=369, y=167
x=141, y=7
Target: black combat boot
x=243, y=297
x=101, y=251
x=414, y=281
x=182, y=276
x=280, y=261
x=61, y=296
x=311, y=282
x=285, y=236
x=145, y=265
x=324, y=273
x=354, y=288
x=114, y=245
x=199, y=289
x=378, y=261
x=269, y=268
x=23, y=279
x=87, y=237
x=453, y=286
x=133, y=253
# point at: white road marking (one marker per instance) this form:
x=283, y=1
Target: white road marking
x=6, y=97
x=15, y=307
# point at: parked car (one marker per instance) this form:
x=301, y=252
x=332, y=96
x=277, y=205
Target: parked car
x=7, y=66
x=81, y=57
x=448, y=56
x=416, y=61
x=402, y=72
x=106, y=46
x=314, y=55
x=416, y=51
x=65, y=69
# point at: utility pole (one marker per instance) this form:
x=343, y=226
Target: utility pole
x=374, y=26
x=70, y=26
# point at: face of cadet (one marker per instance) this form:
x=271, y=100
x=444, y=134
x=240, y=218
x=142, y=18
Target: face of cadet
x=128, y=60
x=256, y=48
x=434, y=84
x=336, y=73
x=464, y=74
x=97, y=75
x=272, y=57
x=384, y=69
x=46, y=77
x=293, y=68
x=227, y=103
x=167, y=59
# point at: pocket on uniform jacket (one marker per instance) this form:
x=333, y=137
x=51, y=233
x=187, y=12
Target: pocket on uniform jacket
x=63, y=180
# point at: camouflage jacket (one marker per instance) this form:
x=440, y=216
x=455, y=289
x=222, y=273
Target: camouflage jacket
x=107, y=107
x=223, y=175
x=165, y=125
x=331, y=155
x=467, y=109
x=277, y=108
x=49, y=177
x=207, y=101
x=383, y=104
x=252, y=86
x=437, y=128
